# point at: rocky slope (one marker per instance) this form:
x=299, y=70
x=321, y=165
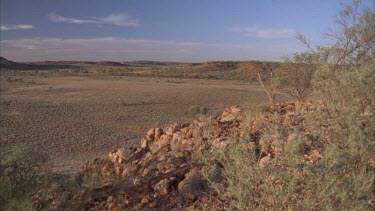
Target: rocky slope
x=169, y=171
x=165, y=171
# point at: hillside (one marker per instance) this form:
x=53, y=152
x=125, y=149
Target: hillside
x=278, y=159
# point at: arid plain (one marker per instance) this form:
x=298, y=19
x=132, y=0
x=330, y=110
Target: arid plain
x=74, y=119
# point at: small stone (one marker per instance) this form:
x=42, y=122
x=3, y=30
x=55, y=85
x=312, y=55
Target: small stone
x=163, y=187
x=110, y=199
x=145, y=200
x=112, y=207
x=291, y=137
x=144, y=143
x=185, y=125
x=118, y=170
x=153, y=204
x=158, y=133
x=176, y=127
x=176, y=136
x=264, y=161
x=151, y=135
x=125, y=173
x=169, y=131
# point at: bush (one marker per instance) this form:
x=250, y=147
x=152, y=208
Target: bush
x=295, y=79
x=27, y=184
x=326, y=161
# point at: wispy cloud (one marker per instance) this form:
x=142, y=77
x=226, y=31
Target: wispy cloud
x=267, y=33
x=16, y=27
x=112, y=19
x=120, y=49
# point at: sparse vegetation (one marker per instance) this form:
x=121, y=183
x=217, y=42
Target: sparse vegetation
x=326, y=160
x=302, y=155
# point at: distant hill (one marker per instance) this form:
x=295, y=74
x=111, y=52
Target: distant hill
x=11, y=65
x=109, y=63
x=7, y=64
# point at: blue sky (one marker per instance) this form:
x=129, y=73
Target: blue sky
x=164, y=30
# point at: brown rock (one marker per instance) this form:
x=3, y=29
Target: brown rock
x=163, y=187
x=124, y=153
x=189, y=133
x=176, y=127
x=153, y=204
x=175, y=162
x=112, y=207
x=176, y=136
x=158, y=133
x=151, y=135
x=265, y=161
x=145, y=200
x=118, y=170
x=192, y=183
x=113, y=157
x=184, y=125
x=145, y=144
x=169, y=131
x=110, y=199
x=125, y=173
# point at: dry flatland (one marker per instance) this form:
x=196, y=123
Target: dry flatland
x=74, y=119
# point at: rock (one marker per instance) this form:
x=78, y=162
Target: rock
x=176, y=127
x=145, y=200
x=184, y=130
x=110, y=199
x=176, y=141
x=189, y=134
x=176, y=136
x=184, y=125
x=151, y=135
x=163, y=187
x=158, y=133
x=145, y=144
x=314, y=156
x=124, y=153
x=230, y=118
x=113, y=157
x=169, y=131
x=192, y=185
x=161, y=166
x=125, y=173
x=175, y=162
x=265, y=161
x=118, y=170
x=112, y=207
x=153, y=204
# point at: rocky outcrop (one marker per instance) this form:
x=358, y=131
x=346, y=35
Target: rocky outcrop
x=164, y=171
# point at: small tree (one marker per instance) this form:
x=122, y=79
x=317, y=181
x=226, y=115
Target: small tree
x=270, y=90
x=297, y=73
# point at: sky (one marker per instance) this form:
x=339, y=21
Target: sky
x=163, y=30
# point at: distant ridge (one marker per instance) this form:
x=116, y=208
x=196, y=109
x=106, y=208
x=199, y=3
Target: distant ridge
x=7, y=64
x=11, y=65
